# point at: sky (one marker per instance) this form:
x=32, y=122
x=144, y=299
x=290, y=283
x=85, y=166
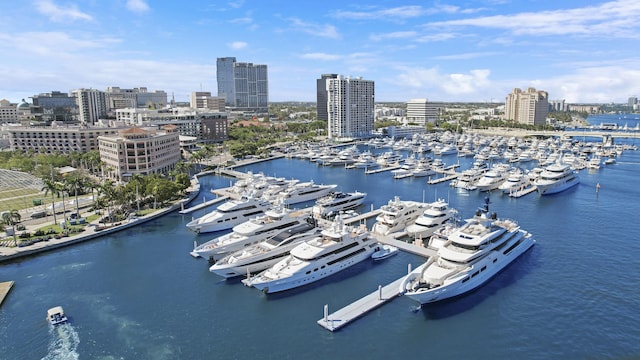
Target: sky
x=582, y=51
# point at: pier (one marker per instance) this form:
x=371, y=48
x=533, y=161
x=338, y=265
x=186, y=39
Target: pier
x=384, y=294
x=203, y=205
x=347, y=314
x=5, y=287
x=523, y=192
x=382, y=169
x=438, y=180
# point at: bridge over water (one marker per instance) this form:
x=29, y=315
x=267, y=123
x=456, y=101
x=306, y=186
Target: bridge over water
x=570, y=133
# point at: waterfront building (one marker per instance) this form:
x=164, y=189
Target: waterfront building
x=92, y=105
x=421, y=111
x=50, y=139
x=398, y=132
x=557, y=105
x=351, y=105
x=589, y=109
x=321, y=96
x=118, y=98
x=204, y=100
x=527, y=107
x=140, y=151
x=244, y=86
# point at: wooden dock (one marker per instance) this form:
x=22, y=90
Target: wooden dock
x=5, y=287
x=203, y=205
x=349, y=313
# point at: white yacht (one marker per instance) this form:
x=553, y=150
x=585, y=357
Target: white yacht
x=493, y=178
x=433, y=217
x=556, y=178
x=396, y=215
x=468, y=179
x=257, y=229
x=338, y=248
x=264, y=254
x=517, y=180
x=337, y=201
x=305, y=191
x=472, y=255
x=229, y=214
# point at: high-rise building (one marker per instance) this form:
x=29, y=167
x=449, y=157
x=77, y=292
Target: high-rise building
x=351, y=107
x=527, y=107
x=118, y=98
x=55, y=106
x=92, y=105
x=632, y=101
x=244, y=86
x=421, y=111
x=321, y=95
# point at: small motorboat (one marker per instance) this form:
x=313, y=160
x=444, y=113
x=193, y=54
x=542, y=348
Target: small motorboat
x=610, y=161
x=56, y=316
x=386, y=251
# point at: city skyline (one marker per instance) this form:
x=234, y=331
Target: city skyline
x=579, y=51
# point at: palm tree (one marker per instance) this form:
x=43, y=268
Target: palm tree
x=75, y=183
x=50, y=186
x=12, y=217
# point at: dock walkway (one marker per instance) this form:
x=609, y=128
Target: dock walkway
x=382, y=169
x=203, y=205
x=438, y=180
x=523, y=192
x=347, y=314
x=5, y=287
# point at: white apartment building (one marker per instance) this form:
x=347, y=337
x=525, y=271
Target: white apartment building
x=92, y=105
x=204, y=100
x=421, y=111
x=141, y=151
x=527, y=107
x=350, y=107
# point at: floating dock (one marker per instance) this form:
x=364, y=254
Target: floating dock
x=519, y=193
x=5, y=287
x=203, y=205
x=438, y=180
x=382, y=169
x=347, y=314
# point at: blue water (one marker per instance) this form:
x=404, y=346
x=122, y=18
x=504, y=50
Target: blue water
x=138, y=294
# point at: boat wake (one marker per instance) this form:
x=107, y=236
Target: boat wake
x=63, y=343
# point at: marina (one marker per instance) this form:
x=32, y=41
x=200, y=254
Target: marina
x=553, y=295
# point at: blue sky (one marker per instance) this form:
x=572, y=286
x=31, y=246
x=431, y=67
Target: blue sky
x=476, y=50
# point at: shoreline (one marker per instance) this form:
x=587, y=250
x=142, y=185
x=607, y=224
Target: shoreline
x=91, y=232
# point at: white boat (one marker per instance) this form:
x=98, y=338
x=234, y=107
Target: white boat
x=472, y=255
x=594, y=163
x=305, y=191
x=337, y=201
x=229, y=214
x=434, y=216
x=260, y=256
x=468, y=179
x=396, y=215
x=493, y=178
x=384, y=252
x=257, y=229
x=610, y=161
x=516, y=180
x=56, y=316
x=338, y=248
x=556, y=178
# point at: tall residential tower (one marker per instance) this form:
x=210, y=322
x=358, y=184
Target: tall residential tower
x=527, y=107
x=245, y=86
x=350, y=107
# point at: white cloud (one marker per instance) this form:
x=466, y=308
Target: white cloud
x=138, y=6
x=611, y=19
x=321, y=56
x=465, y=56
x=60, y=14
x=237, y=45
x=401, y=13
x=328, y=31
x=393, y=35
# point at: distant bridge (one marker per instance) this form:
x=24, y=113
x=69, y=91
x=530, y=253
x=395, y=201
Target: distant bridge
x=570, y=133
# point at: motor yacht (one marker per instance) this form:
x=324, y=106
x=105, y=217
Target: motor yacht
x=56, y=316
x=257, y=229
x=434, y=216
x=260, y=256
x=472, y=255
x=493, y=178
x=337, y=201
x=305, y=191
x=396, y=215
x=556, y=178
x=338, y=248
x=229, y=214
x=517, y=180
